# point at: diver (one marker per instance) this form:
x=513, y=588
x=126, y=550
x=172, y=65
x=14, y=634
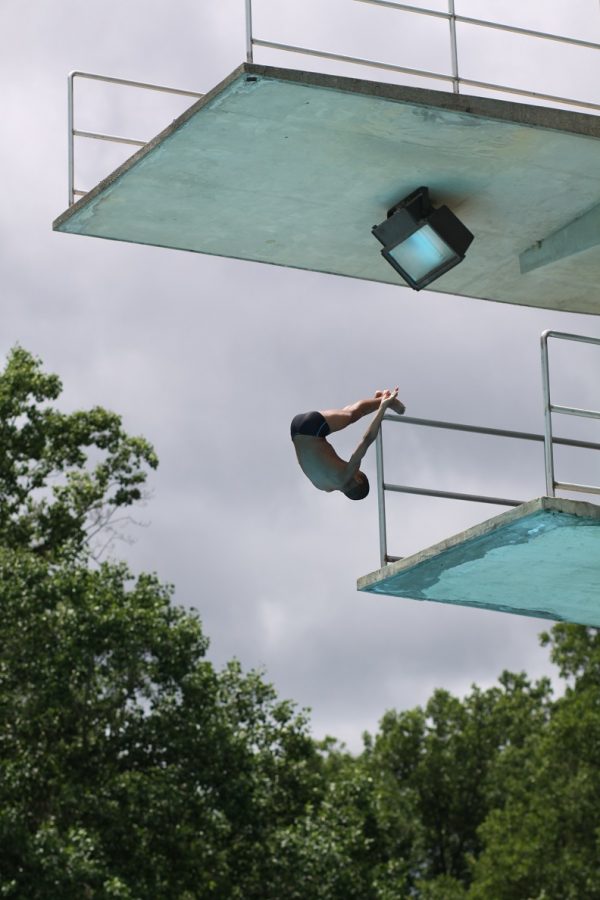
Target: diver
x=317, y=458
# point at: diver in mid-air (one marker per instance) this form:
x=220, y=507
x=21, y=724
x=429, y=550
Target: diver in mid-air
x=317, y=458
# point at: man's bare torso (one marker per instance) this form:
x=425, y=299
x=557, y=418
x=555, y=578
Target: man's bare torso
x=320, y=463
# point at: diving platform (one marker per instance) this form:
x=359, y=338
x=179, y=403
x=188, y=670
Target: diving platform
x=293, y=168
x=539, y=559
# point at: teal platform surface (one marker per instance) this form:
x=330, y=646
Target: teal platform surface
x=540, y=559
x=294, y=168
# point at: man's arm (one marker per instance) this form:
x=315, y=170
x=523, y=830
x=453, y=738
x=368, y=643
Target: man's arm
x=370, y=434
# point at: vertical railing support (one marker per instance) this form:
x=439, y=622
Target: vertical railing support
x=249, y=53
x=381, y=500
x=453, y=47
x=548, y=454
x=70, y=139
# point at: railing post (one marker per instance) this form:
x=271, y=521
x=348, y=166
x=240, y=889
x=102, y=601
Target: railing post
x=453, y=47
x=249, y=54
x=70, y=139
x=381, y=499
x=548, y=450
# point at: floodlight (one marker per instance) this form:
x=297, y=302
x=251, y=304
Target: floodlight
x=421, y=242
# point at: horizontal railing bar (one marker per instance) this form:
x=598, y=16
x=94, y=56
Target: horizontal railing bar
x=390, y=559
x=581, y=488
x=438, y=76
x=503, y=89
x=566, y=336
x=571, y=442
x=108, y=137
x=356, y=60
x=450, y=495
x=91, y=76
x=485, y=23
x=574, y=411
x=528, y=32
x=80, y=193
x=404, y=7
x=455, y=426
x=498, y=432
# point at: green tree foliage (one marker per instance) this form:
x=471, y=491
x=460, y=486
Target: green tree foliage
x=62, y=476
x=130, y=767
x=543, y=840
x=437, y=773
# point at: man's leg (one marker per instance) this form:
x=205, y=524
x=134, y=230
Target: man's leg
x=341, y=418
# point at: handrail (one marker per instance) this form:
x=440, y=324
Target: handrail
x=73, y=132
x=549, y=408
x=547, y=439
x=454, y=77
x=485, y=23
x=497, y=432
x=355, y=60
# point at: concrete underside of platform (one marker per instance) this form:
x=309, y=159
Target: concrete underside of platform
x=294, y=168
x=540, y=559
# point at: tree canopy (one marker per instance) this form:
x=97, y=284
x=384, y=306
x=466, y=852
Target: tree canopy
x=63, y=476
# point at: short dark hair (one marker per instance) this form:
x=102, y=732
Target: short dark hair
x=360, y=489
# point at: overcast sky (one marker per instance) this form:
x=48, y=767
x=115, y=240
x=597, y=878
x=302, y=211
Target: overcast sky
x=210, y=358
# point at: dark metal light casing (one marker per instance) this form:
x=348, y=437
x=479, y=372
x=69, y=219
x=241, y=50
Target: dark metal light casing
x=420, y=242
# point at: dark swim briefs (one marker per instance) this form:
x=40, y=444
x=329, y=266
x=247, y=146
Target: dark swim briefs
x=311, y=423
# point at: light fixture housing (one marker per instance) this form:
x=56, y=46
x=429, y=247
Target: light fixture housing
x=420, y=242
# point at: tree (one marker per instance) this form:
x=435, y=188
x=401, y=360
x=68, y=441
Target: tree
x=129, y=767
x=543, y=840
x=63, y=476
x=438, y=772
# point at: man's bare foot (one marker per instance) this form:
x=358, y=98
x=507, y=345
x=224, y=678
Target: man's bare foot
x=396, y=405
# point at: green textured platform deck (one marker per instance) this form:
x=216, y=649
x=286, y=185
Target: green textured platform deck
x=294, y=168
x=540, y=559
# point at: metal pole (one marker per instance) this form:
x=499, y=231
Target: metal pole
x=436, y=76
x=249, y=57
x=381, y=499
x=453, y=47
x=70, y=139
x=127, y=82
x=548, y=455
x=485, y=23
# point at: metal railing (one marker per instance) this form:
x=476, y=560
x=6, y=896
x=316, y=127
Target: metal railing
x=94, y=135
x=454, y=77
x=547, y=439
x=549, y=408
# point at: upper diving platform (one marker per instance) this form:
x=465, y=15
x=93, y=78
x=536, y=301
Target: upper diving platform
x=540, y=559
x=293, y=168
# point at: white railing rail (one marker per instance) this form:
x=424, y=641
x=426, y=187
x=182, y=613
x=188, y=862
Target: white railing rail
x=547, y=439
x=453, y=77
x=551, y=483
x=98, y=136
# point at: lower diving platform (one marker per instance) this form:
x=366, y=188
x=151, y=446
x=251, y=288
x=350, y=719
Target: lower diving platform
x=540, y=559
